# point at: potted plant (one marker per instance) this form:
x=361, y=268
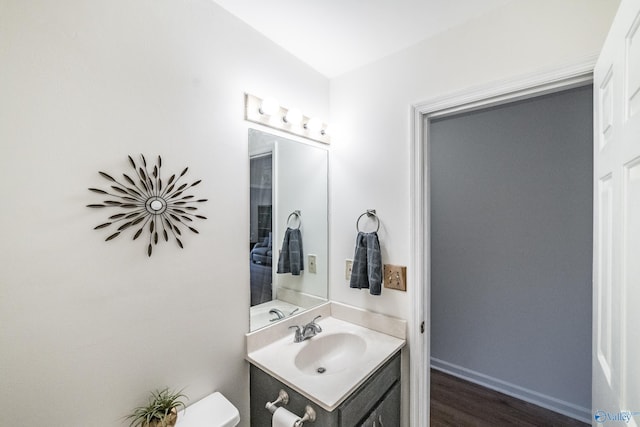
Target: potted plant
x=162, y=410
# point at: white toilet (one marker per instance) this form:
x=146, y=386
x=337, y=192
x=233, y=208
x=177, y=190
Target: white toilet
x=212, y=411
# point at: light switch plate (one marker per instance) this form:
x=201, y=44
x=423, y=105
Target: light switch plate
x=311, y=263
x=395, y=277
x=348, y=266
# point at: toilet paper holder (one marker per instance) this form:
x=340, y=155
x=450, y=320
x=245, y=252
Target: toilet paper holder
x=309, y=415
x=283, y=397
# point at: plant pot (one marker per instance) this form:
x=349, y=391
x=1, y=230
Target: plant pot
x=169, y=421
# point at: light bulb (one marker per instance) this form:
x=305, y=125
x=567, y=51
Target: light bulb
x=269, y=106
x=313, y=125
x=293, y=117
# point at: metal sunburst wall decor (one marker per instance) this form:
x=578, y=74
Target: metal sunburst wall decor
x=146, y=202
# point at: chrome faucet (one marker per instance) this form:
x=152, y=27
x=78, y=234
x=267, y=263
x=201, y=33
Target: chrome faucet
x=307, y=331
x=278, y=313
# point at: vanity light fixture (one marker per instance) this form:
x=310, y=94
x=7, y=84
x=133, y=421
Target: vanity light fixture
x=269, y=112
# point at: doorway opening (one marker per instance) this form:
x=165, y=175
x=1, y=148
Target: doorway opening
x=511, y=199
x=496, y=94
x=261, y=226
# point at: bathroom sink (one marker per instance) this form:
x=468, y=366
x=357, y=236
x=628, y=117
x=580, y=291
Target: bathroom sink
x=327, y=367
x=330, y=354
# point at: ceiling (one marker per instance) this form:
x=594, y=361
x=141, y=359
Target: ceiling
x=336, y=36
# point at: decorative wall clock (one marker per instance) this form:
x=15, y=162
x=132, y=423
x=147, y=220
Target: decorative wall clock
x=146, y=202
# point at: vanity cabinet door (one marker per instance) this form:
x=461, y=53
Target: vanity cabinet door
x=387, y=413
x=358, y=407
x=377, y=401
x=264, y=388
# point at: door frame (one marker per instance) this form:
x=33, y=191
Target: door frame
x=565, y=77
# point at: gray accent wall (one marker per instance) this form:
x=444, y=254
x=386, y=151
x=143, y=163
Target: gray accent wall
x=511, y=228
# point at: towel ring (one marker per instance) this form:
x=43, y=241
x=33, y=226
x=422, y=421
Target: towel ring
x=368, y=213
x=297, y=214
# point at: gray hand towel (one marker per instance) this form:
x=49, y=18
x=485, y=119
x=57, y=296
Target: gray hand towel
x=367, y=264
x=291, y=257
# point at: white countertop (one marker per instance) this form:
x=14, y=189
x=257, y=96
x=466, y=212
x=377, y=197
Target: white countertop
x=328, y=389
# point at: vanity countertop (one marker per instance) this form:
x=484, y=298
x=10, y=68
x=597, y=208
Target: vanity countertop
x=348, y=353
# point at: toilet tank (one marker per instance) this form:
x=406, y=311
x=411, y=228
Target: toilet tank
x=212, y=411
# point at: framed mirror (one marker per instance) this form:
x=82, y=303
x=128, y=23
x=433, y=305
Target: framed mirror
x=288, y=241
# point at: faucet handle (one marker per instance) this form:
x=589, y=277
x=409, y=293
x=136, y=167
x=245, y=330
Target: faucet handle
x=313, y=327
x=313, y=322
x=298, y=333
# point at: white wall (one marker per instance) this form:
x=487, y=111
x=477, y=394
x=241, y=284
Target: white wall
x=370, y=155
x=88, y=327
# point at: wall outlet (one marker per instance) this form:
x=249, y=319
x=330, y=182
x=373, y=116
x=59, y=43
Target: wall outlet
x=395, y=277
x=311, y=263
x=348, y=267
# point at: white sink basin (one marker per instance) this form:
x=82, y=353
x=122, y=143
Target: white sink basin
x=330, y=354
x=348, y=353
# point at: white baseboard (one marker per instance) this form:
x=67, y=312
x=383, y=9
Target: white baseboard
x=548, y=402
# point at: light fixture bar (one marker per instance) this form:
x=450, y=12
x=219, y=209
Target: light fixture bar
x=256, y=110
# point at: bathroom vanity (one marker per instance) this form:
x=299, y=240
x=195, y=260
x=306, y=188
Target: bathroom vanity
x=349, y=373
x=377, y=400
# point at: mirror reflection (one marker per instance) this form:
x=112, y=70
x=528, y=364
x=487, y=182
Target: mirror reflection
x=288, y=242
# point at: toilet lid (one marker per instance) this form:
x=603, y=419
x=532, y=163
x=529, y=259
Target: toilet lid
x=212, y=411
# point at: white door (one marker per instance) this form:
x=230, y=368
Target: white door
x=616, y=297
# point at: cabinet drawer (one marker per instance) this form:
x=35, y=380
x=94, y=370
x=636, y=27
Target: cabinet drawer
x=354, y=409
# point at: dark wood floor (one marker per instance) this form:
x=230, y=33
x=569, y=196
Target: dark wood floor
x=458, y=403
